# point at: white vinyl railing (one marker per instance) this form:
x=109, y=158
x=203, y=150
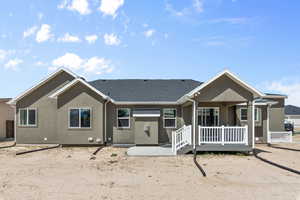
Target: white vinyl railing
x=223, y=135
x=280, y=137
x=181, y=138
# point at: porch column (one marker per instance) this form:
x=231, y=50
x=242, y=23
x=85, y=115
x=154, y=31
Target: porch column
x=195, y=124
x=251, y=123
x=268, y=124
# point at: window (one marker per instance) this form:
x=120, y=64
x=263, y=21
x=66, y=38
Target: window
x=123, y=118
x=208, y=116
x=27, y=117
x=169, y=115
x=80, y=118
x=244, y=114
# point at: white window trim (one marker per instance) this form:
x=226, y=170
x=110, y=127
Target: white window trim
x=216, y=108
x=129, y=111
x=257, y=113
x=175, y=118
x=80, y=108
x=27, y=122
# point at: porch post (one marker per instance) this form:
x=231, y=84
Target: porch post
x=251, y=123
x=268, y=124
x=195, y=126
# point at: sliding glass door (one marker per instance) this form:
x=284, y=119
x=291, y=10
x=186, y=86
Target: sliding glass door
x=208, y=116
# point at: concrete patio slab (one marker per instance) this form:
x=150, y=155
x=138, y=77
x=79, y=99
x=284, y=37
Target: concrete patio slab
x=150, y=151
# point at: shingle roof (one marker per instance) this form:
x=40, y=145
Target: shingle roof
x=291, y=110
x=4, y=100
x=273, y=94
x=140, y=90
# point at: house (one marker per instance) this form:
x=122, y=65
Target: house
x=292, y=115
x=6, y=119
x=222, y=114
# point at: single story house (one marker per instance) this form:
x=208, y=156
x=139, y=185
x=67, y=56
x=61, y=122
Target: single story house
x=7, y=117
x=292, y=115
x=224, y=113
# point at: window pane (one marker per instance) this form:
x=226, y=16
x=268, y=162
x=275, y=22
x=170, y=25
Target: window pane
x=169, y=113
x=31, y=117
x=256, y=114
x=23, y=117
x=74, y=118
x=244, y=114
x=123, y=112
x=123, y=123
x=170, y=123
x=85, y=118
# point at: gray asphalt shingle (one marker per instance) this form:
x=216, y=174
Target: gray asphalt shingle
x=145, y=90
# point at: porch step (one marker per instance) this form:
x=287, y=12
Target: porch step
x=214, y=148
x=186, y=149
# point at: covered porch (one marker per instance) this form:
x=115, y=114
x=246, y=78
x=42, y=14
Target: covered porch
x=223, y=117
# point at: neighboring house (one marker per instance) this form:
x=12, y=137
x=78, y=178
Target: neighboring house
x=292, y=114
x=224, y=114
x=6, y=119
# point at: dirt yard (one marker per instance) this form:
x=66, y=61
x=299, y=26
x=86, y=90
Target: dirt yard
x=69, y=173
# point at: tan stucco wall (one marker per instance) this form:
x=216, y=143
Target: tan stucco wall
x=81, y=135
x=6, y=113
x=127, y=135
x=46, y=112
x=224, y=89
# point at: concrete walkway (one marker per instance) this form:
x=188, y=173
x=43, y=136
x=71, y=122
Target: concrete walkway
x=150, y=151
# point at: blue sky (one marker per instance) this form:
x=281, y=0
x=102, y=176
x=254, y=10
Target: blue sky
x=257, y=40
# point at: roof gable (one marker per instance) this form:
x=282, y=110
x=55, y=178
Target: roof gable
x=41, y=83
x=231, y=76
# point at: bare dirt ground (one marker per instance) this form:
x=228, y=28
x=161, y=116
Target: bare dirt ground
x=68, y=173
x=296, y=138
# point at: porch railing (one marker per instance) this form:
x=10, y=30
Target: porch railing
x=280, y=137
x=223, y=135
x=181, y=138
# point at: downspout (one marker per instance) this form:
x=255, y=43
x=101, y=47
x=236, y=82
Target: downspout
x=194, y=138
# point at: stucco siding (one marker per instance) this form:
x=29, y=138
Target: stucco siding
x=80, y=96
x=127, y=135
x=224, y=89
x=6, y=113
x=46, y=129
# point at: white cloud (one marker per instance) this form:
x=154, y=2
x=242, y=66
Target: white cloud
x=69, y=60
x=5, y=53
x=173, y=11
x=13, y=64
x=40, y=16
x=111, y=39
x=287, y=87
x=68, y=38
x=98, y=66
x=93, y=65
x=91, y=38
x=44, y=33
x=40, y=63
x=30, y=31
x=149, y=33
x=110, y=7
x=81, y=6
x=198, y=5
x=236, y=20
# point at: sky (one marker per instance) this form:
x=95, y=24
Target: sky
x=258, y=40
